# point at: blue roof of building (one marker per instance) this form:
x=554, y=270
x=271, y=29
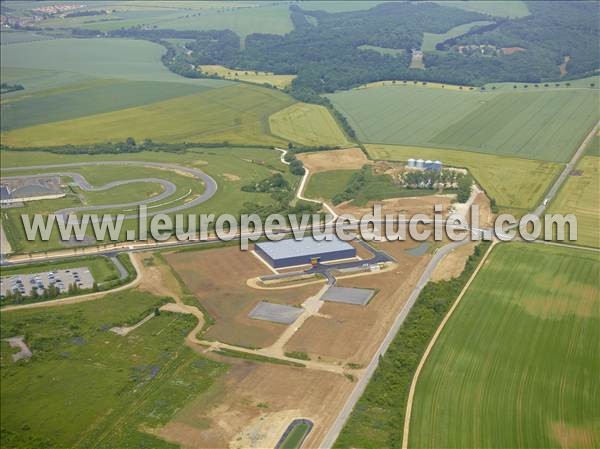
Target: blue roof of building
x=305, y=247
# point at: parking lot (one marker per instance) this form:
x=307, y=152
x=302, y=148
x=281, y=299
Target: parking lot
x=40, y=282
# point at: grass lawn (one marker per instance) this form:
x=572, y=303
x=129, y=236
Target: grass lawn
x=513, y=182
x=430, y=40
x=581, y=196
x=237, y=114
x=327, y=184
x=295, y=437
x=536, y=123
x=307, y=124
x=88, y=387
x=251, y=76
x=517, y=363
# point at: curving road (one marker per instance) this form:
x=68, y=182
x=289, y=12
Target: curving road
x=169, y=188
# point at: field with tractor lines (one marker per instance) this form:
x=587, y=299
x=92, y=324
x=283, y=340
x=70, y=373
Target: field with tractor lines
x=86, y=98
x=581, y=196
x=307, y=124
x=237, y=114
x=542, y=123
x=516, y=364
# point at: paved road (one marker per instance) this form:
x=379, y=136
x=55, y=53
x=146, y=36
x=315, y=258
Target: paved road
x=169, y=188
x=123, y=273
x=566, y=171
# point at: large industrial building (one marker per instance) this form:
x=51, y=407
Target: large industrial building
x=289, y=253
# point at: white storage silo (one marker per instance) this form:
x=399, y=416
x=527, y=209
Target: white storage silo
x=411, y=163
x=420, y=163
x=428, y=164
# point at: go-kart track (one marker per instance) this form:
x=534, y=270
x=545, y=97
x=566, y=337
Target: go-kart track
x=210, y=186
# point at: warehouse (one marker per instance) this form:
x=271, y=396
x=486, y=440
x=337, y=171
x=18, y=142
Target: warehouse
x=288, y=253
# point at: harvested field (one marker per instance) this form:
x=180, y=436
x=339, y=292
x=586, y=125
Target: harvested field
x=253, y=405
x=348, y=333
x=217, y=277
x=348, y=159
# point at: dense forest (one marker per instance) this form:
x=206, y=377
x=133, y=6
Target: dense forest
x=327, y=50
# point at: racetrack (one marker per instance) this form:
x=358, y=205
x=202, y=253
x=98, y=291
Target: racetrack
x=210, y=185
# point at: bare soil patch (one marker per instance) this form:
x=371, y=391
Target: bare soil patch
x=512, y=50
x=218, y=278
x=453, y=264
x=349, y=333
x=155, y=277
x=409, y=206
x=569, y=436
x=348, y=159
x=252, y=405
x=231, y=177
x=563, y=66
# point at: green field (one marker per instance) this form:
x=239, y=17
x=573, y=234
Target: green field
x=231, y=168
x=88, y=387
x=594, y=148
x=130, y=59
x=517, y=363
x=383, y=50
x=430, y=40
x=242, y=19
x=512, y=8
x=87, y=98
x=514, y=183
x=544, y=124
x=327, y=184
x=237, y=114
x=581, y=196
x=16, y=37
x=307, y=124
x=295, y=437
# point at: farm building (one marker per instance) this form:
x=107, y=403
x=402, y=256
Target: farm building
x=290, y=252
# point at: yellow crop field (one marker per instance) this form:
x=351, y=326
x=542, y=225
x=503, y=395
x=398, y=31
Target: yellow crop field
x=581, y=196
x=513, y=182
x=307, y=124
x=237, y=114
x=421, y=84
x=251, y=76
